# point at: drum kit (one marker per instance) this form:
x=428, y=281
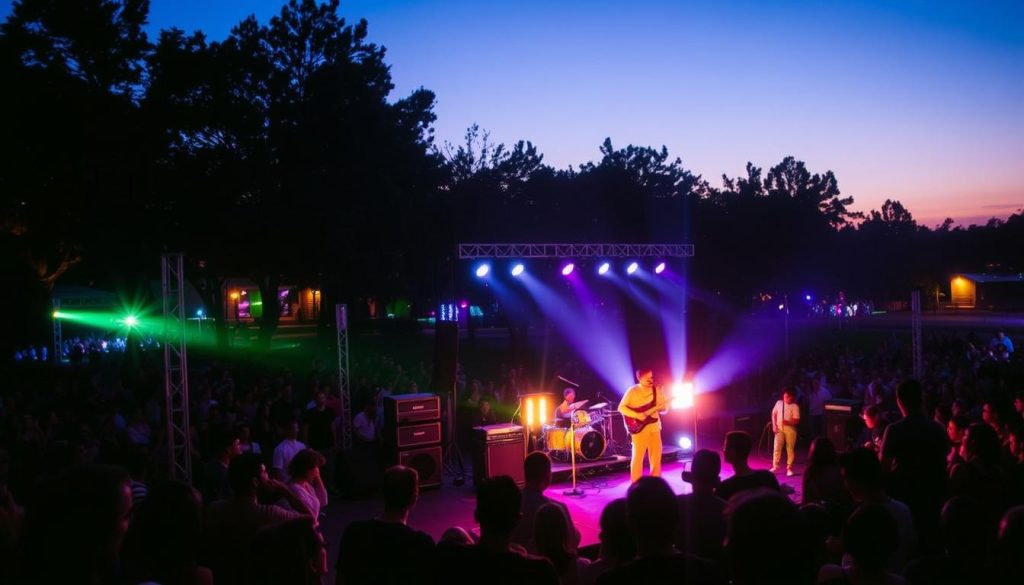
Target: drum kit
x=584, y=437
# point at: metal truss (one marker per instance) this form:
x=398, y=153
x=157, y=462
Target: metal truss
x=915, y=333
x=58, y=335
x=344, y=383
x=478, y=251
x=179, y=444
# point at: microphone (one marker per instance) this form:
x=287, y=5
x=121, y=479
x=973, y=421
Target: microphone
x=570, y=382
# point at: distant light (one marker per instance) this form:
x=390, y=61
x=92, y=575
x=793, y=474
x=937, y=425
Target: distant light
x=131, y=320
x=483, y=270
x=234, y=295
x=464, y=304
x=682, y=395
x=518, y=269
x=659, y=268
x=200, y=313
x=633, y=267
x=57, y=315
x=685, y=443
x=604, y=268
x=808, y=297
x=568, y=268
x=781, y=306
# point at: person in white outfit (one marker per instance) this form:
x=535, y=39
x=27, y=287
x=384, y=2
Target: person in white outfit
x=785, y=418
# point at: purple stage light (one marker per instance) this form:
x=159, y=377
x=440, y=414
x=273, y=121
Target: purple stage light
x=518, y=269
x=659, y=268
x=568, y=268
x=633, y=267
x=604, y=268
x=483, y=270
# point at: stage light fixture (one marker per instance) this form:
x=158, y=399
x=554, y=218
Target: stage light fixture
x=633, y=267
x=483, y=270
x=518, y=269
x=682, y=395
x=568, y=268
x=131, y=321
x=604, y=268
x=659, y=268
x=685, y=443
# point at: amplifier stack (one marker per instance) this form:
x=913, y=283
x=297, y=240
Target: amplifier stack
x=412, y=435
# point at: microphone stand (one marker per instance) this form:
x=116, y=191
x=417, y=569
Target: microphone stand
x=575, y=491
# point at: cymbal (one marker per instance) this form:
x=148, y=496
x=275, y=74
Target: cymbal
x=598, y=406
x=578, y=404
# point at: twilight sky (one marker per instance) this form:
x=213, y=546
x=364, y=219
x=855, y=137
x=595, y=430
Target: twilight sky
x=915, y=100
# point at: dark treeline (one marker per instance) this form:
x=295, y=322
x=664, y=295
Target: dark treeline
x=280, y=153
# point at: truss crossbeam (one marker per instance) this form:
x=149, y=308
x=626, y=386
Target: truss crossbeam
x=479, y=251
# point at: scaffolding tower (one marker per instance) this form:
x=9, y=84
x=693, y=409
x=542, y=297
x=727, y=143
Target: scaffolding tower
x=344, y=383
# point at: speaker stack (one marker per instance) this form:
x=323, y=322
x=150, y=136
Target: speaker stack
x=842, y=422
x=412, y=435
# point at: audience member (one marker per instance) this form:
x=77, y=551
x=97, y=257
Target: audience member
x=386, y=550
x=286, y=450
x=162, y=544
x=306, y=482
x=980, y=475
x=652, y=512
x=874, y=428
x=768, y=542
x=555, y=539
x=289, y=552
x=1010, y=547
x=537, y=469
x=617, y=546
x=870, y=539
x=967, y=537
x=225, y=446
x=955, y=429
x=736, y=452
x=823, y=481
x=701, y=513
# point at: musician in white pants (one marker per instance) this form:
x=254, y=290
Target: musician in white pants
x=644, y=402
x=785, y=418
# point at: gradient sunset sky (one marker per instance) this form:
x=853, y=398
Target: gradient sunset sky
x=921, y=101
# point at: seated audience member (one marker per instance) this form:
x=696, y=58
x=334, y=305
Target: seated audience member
x=701, y=528
x=537, y=468
x=74, y=525
x=231, y=524
x=967, y=537
x=869, y=539
x=653, y=515
x=862, y=474
x=980, y=474
x=555, y=540
x=617, y=546
x=387, y=550
x=287, y=449
x=290, y=552
x=306, y=483
x=736, y=452
x=1010, y=547
x=162, y=544
x=768, y=542
x=493, y=559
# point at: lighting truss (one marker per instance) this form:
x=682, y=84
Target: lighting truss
x=344, y=382
x=179, y=442
x=481, y=251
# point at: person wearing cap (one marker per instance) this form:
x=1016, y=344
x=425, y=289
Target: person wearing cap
x=702, y=526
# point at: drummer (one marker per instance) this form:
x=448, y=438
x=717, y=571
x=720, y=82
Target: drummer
x=563, y=412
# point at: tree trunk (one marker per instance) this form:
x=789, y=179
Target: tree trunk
x=269, y=285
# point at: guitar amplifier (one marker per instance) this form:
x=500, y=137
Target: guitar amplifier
x=414, y=435
x=411, y=408
x=842, y=422
x=499, y=450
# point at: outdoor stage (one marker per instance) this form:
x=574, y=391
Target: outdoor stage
x=442, y=508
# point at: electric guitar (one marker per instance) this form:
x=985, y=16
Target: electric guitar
x=633, y=425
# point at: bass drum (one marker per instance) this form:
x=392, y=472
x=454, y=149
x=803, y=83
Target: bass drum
x=589, y=444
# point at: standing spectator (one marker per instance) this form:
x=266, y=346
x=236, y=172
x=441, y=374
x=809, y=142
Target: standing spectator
x=162, y=544
x=537, y=469
x=555, y=539
x=224, y=446
x=914, y=454
x=74, y=526
x=617, y=546
x=955, y=430
x=862, y=474
x=653, y=516
x=319, y=432
x=289, y=552
x=702, y=513
x=768, y=541
x=785, y=420
x=736, y=452
x=874, y=428
x=232, y=524
x=387, y=550
x=494, y=559
x=869, y=539
x=1003, y=340
x=979, y=474
x=816, y=399
x=364, y=425
x=246, y=443
x=967, y=537
x=286, y=450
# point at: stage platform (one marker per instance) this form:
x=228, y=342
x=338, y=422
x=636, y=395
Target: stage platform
x=561, y=471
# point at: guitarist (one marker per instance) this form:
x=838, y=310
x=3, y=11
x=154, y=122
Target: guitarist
x=640, y=407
